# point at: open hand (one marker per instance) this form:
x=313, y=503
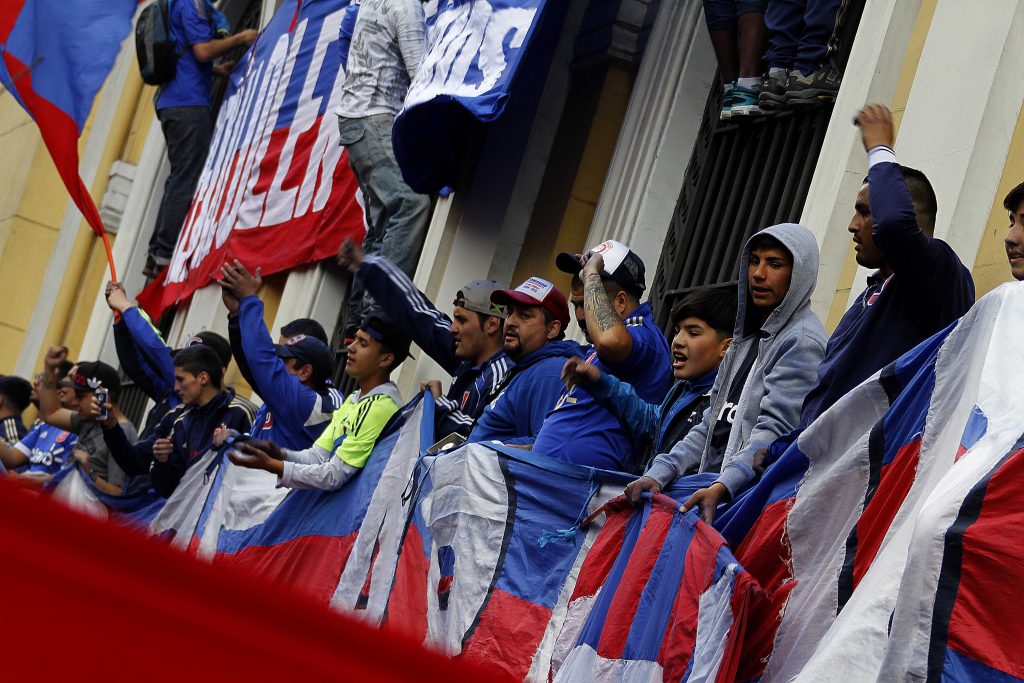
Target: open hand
x=635, y=488
x=875, y=122
x=239, y=280
x=707, y=501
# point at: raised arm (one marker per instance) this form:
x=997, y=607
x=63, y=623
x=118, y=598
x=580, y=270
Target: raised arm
x=405, y=305
x=50, y=410
x=611, y=339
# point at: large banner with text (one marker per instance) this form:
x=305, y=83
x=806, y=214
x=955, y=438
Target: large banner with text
x=276, y=191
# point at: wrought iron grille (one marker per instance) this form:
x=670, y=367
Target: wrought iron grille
x=741, y=177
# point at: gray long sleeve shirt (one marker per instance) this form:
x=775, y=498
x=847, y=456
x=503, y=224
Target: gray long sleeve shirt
x=387, y=48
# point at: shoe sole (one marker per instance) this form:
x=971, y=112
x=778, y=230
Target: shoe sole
x=811, y=97
x=747, y=110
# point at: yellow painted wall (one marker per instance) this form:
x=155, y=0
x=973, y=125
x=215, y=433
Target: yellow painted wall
x=32, y=207
x=911, y=60
x=990, y=266
x=537, y=256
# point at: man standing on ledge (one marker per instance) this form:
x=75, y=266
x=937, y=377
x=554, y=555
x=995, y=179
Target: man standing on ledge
x=387, y=47
x=183, y=107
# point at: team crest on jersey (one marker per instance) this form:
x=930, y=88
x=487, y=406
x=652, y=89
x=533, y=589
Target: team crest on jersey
x=465, y=398
x=268, y=422
x=62, y=436
x=874, y=297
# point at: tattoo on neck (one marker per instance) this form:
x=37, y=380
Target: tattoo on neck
x=595, y=300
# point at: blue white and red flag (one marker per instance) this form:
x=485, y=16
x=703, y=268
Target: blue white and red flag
x=659, y=597
x=53, y=61
x=476, y=50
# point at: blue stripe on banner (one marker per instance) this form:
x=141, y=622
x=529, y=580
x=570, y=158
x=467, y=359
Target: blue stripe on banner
x=654, y=608
x=591, y=634
x=543, y=504
x=959, y=668
x=977, y=425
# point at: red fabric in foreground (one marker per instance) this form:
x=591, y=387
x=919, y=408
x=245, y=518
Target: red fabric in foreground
x=129, y=607
x=299, y=562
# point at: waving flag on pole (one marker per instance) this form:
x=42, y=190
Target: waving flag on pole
x=55, y=57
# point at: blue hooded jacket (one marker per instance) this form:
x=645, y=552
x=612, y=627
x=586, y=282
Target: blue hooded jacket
x=531, y=389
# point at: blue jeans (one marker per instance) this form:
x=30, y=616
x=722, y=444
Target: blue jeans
x=397, y=217
x=799, y=32
x=188, y=132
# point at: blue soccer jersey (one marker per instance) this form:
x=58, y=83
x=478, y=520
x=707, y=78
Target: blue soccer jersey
x=580, y=430
x=47, y=448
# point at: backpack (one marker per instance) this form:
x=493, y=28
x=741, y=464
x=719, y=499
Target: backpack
x=154, y=44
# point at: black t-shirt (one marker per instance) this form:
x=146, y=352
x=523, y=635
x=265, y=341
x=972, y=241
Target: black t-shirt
x=722, y=425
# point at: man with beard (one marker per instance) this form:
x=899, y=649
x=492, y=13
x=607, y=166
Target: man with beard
x=534, y=339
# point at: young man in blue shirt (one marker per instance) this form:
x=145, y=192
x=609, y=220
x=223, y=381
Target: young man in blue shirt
x=919, y=285
x=185, y=433
x=468, y=345
x=626, y=343
x=704, y=322
x=183, y=108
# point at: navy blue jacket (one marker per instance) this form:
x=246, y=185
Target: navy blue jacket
x=929, y=288
x=531, y=390
x=147, y=361
x=473, y=386
x=292, y=415
x=189, y=428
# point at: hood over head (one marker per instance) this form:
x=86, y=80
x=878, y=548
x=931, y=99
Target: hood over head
x=804, y=248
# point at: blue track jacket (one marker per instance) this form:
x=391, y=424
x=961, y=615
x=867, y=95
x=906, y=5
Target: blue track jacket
x=292, y=415
x=189, y=428
x=473, y=386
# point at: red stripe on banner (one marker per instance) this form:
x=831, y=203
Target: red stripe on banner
x=642, y=559
x=407, y=604
x=311, y=565
x=895, y=481
x=9, y=11
x=60, y=135
x=698, y=573
x=985, y=623
x=508, y=634
x=766, y=555
x=744, y=589
x=178, y=617
x=601, y=557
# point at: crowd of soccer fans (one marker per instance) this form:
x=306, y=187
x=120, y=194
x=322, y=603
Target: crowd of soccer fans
x=745, y=371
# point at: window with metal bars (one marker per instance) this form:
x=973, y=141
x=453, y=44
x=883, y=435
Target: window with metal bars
x=742, y=177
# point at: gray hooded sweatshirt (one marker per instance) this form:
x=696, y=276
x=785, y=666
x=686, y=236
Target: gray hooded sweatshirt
x=791, y=343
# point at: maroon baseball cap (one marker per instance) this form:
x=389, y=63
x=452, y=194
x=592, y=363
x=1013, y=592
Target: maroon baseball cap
x=536, y=292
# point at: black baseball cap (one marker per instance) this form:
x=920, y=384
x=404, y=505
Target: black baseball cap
x=310, y=351
x=389, y=335
x=620, y=264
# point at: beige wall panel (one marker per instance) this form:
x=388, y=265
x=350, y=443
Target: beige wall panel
x=990, y=267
